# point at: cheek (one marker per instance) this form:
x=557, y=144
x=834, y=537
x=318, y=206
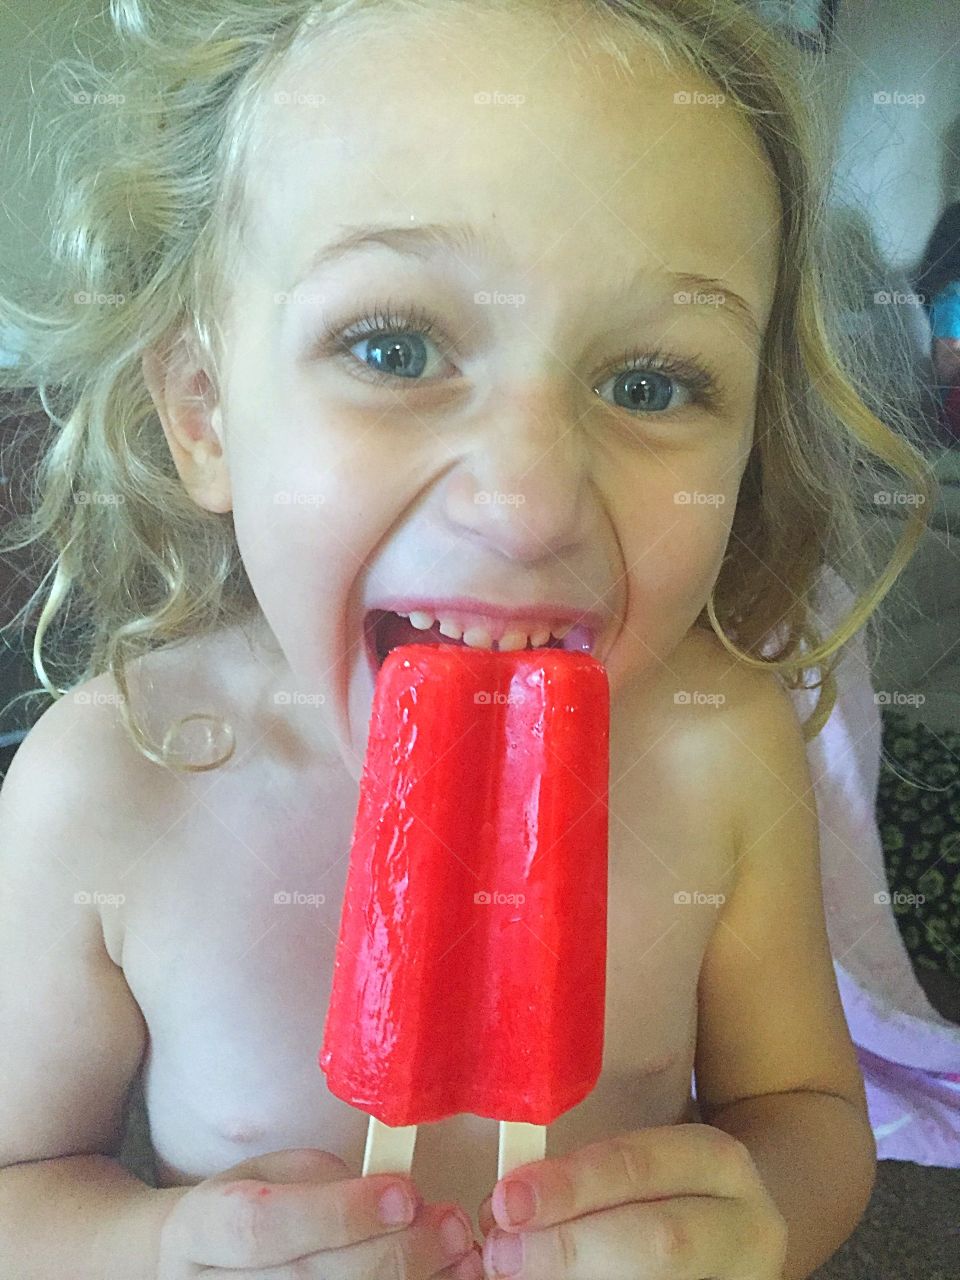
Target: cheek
x=279, y=545
x=301, y=575
x=293, y=496
x=293, y=530
x=684, y=563
x=676, y=532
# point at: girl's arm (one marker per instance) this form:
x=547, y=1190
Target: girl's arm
x=775, y=1066
x=71, y=1033
x=84, y=1217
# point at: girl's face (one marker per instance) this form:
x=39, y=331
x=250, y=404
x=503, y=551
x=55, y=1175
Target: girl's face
x=539, y=413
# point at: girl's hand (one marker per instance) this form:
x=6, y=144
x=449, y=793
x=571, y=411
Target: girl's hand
x=682, y=1201
x=303, y=1213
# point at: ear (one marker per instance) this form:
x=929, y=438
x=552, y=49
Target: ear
x=188, y=406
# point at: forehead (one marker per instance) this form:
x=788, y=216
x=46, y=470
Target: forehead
x=577, y=163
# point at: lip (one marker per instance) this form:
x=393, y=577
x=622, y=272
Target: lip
x=460, y=605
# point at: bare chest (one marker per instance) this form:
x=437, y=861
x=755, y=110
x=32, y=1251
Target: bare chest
x=227, y=934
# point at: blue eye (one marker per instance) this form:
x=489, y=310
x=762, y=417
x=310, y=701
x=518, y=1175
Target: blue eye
x=644, y=388
x=648, y=379
x=647, y=384
x=397, y=355
x=395, y=346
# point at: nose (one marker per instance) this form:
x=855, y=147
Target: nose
x=523, y=487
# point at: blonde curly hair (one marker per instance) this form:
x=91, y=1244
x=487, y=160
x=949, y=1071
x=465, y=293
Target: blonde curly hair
x=149, y=212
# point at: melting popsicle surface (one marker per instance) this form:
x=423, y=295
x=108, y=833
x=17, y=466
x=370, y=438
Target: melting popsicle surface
x=470, y=966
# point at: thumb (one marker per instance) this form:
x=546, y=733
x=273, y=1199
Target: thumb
x=296, y=1164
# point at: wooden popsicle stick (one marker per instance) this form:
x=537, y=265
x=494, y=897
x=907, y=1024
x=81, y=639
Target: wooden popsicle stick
x=519, y=1144
x=388, y=1149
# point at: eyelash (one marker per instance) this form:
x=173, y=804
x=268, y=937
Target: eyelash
x=338, y=340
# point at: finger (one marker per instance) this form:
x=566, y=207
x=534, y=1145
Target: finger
x=677, y=1239
x=485, y=1216
x=246, y=1222
x=419, y=1252
x=442, y=1235
x=470, y=1267
x=293, y=1164
x=649, y=1164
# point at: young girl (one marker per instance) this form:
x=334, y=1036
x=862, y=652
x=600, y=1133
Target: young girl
x=478, y=322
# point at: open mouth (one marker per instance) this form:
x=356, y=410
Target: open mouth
x=385, y=630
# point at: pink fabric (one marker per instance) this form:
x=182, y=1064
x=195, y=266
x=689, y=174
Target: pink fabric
x=908, y=1053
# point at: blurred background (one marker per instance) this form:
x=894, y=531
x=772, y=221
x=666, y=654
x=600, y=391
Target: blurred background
x=887, y=79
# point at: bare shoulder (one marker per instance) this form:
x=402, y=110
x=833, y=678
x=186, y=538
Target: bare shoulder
x=745, y=700
x=710, y=699
x=86, y=729
x=78, y=740
x=100, y=779
x=81, y=768
x=734, y=729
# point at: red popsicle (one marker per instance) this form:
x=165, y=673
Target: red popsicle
x=470, y=967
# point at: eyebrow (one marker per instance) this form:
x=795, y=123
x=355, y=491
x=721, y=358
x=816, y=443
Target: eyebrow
x=462, y=238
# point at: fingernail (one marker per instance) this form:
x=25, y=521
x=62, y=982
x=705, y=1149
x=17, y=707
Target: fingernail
x=518, y=1201
x=456, y=1235
x=506, y=1253
x=397, y=1206
x=471, y=1268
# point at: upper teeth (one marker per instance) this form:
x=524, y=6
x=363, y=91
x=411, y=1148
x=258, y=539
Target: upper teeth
x=478, y=637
